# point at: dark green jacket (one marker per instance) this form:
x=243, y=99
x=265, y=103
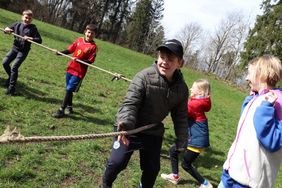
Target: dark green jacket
x=25, y=30
x=150, y=98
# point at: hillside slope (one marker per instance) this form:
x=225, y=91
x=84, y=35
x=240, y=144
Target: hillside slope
x=41, y=86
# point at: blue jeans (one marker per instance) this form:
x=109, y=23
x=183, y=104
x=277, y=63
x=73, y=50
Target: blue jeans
x=72, y=83
x=18, y=57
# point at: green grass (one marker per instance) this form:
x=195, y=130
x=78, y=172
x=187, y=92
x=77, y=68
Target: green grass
x=41, y=88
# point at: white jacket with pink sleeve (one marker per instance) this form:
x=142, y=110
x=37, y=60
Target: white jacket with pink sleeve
x=256, y=153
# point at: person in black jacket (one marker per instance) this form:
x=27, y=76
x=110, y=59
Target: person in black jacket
x=20, y=48
x=153, y=94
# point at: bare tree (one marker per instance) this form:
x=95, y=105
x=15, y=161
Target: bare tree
x=105, y=6
x=238, y=37
x=53, y=9
x=189, y=36
x=225, y=45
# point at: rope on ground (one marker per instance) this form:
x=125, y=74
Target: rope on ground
x=116, y=75
x=14, y=136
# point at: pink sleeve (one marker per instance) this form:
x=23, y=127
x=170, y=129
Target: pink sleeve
x=278, y=105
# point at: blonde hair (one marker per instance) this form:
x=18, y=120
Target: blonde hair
x=27, y=12
x=203, y=86
x=267, y=68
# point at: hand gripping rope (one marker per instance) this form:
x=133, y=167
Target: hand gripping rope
x=116, y=76
x=14, y=136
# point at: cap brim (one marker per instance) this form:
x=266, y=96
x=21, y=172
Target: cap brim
x=171, y=50
x=162, y=47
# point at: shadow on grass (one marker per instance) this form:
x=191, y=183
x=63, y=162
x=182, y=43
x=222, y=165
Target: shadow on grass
x=208, y=160
x=80, y=117
x=187, y=182
x=35, y=94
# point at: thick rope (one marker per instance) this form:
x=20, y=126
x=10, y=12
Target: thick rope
x=116, y=75
x=14, y=136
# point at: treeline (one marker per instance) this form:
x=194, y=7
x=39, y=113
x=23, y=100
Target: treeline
x=135, y=24
x=131, y=23
x=227, y=49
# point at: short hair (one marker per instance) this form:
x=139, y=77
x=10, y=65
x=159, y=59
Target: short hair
x=203, y=86
x=27, y=12
x=91, y=27
x=267, y=68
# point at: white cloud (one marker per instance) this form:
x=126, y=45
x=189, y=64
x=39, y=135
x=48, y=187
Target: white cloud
x=208, y=13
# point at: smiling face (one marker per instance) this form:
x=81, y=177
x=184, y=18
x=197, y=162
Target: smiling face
x=27, y=19
x=89, y=35
x=168, y=63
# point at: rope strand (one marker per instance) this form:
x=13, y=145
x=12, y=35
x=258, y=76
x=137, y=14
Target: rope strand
x=14, y=136
x=116, y=75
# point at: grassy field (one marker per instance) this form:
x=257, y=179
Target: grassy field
x=76, y=164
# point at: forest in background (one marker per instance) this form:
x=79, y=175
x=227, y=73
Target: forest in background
x=136, y=24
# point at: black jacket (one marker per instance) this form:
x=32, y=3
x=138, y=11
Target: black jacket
x=22, y=30
x=150, y=98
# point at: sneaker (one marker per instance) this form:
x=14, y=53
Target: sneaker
x=206, y=184
x=59, y=114
x=170, y=177
x=69, y=110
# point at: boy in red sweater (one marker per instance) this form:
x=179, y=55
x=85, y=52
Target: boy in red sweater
x=83, y=48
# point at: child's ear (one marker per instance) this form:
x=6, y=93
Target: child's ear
x=181, y=63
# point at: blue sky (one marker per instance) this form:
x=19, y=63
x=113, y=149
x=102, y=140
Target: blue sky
x=208, y=13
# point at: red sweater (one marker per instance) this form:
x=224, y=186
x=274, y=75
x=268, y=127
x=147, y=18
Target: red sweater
x=197, y=108
x=84, y=51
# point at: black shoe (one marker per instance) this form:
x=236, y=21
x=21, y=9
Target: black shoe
x=10, y=91
x=59, y=114
x=69, y=110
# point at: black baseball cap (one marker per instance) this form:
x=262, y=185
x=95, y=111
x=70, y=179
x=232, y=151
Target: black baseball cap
x=174, y=46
